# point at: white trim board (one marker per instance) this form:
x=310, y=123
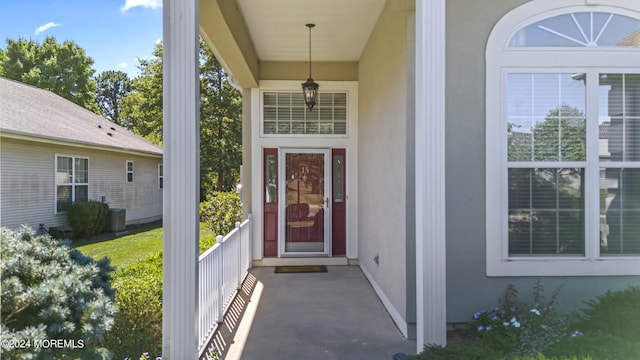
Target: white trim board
x=393, y=312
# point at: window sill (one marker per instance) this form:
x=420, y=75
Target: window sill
x=609, y=266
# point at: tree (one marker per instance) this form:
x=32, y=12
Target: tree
x=52, y=293
x=540, y=199
x=141, y=110
x=560, y=137
x=220, y=117
x=220, y=126
x=112, y=87
x=63, y=69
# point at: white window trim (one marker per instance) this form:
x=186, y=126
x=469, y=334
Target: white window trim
x=160, y=176
x=73, y=183
x=127, y=172
x=500, y=60
x=350, y=142
x=293, y=86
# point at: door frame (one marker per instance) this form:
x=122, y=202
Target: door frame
x=282, y=201
x=262, y=253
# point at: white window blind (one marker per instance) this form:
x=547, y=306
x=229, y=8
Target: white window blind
x=286, y=113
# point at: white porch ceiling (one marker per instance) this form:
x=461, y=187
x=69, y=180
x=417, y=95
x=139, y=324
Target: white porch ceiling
x=278, y=32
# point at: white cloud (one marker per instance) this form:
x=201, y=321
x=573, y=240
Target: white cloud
x=122, y=65
x=130, y=4
x=46, y=27
x=158, y=41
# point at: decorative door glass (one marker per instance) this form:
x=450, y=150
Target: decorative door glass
x=305, y=202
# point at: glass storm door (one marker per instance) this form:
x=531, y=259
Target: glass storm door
x=305, y=200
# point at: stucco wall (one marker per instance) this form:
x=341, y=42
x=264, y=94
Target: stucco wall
x=468, y=289
x=28, y=188
x=383, y=142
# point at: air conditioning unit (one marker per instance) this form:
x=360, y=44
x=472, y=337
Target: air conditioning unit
x=116, y=220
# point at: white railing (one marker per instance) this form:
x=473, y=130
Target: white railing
x=222, y=269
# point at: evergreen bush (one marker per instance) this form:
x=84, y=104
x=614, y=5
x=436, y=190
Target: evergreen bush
x=87, y=218
x=56, y=302
x=609, y=327
x=615, y=313
x=138, y=324
x=220, y=211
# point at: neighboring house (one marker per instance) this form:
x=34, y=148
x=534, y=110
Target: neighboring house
x=54, y=152
x=454, y=148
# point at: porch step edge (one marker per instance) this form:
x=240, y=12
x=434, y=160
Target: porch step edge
x=303, y=261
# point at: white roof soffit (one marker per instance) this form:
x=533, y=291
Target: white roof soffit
x=277, y=28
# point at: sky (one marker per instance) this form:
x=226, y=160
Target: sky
x=114, y=33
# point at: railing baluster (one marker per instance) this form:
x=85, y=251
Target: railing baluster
x=220, y=278
x=250, y=252
x=239, y=227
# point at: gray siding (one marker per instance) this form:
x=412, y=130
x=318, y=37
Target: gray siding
x=468, y=288
x=28, y=189
x=142, y=198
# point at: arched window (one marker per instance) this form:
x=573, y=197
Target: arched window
x=580, y=29
x=563, y=139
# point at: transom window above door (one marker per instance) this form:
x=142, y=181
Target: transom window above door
x=285, y=113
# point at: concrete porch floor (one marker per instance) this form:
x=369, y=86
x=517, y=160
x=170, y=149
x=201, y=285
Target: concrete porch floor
x=324, y=316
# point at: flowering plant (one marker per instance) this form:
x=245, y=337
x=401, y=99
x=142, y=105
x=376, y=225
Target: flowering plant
x=145, y=356
x=494, y=330
x=514, y=326
x=212, y=354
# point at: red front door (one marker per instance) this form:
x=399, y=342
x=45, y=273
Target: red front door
x=304, y=202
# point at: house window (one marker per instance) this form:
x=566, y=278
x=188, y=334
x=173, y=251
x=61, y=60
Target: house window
x=285, y=113
x=546, y=161
x=619, y=160
x=563, y=142
x=129, y=171
x=579, y=29
x=160, y=176
x=71, y=181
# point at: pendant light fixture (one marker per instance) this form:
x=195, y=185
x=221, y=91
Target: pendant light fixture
x=310, y=87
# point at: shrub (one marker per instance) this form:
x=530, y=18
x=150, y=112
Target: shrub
x=211, y=353
x=456, y=352
x=596, y=345
x=522, y=329
x=220, y=211
x=614, y=313
x=608, y=327
x=138, y=324
x=51, y=292
x=87, y=218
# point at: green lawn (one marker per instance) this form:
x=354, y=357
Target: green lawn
x=125, y=250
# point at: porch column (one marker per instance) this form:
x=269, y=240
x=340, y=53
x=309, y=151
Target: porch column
x=181, y=138
x=430, y=173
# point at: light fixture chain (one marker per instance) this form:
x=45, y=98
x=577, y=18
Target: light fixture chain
x=310, y=26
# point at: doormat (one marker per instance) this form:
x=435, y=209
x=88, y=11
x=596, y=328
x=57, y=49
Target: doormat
x=301, y=269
